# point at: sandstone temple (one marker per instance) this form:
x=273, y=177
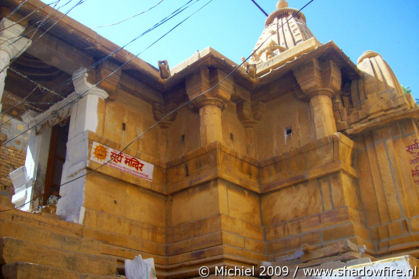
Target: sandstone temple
x=297, y=157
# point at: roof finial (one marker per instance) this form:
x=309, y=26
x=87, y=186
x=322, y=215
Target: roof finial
x=282, y=4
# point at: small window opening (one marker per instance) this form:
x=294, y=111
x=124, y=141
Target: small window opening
x=288, y=131
x=124, y=126
x=231, y=136
x=182, y=138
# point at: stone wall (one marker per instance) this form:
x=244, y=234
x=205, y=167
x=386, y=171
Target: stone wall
x=388, y=189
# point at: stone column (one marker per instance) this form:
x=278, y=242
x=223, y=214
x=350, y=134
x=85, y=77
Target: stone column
x=211, y=128
x=84, y=118
x=319, y=81
x=322, y=114
x=210, y=104
x=12, y=45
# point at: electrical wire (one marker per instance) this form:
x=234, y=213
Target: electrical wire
x=131, y=17
x=259, y=7
x=25, y=17
x=176, y=12
x=39, y=24
x=167, y=115
x=37, y=85
x=164, y=20
x=28, y=42
x=107, y=76
x=16, y=9
x=61, y=17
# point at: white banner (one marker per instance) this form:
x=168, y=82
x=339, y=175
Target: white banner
x=103, y=154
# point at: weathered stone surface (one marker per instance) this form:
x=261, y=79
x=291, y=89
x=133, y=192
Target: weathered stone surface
x=300, y=157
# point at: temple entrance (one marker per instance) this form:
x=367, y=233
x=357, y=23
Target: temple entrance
x=56, y=159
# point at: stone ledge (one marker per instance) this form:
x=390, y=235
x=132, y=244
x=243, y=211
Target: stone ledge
x=316, y=159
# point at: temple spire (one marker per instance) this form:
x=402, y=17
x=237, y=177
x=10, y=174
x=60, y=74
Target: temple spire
x=285, y=28
x=282, y=4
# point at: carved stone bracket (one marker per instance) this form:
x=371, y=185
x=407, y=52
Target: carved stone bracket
x=315, y=78
x=160, y=112
x=249, y=113
x=109, y=74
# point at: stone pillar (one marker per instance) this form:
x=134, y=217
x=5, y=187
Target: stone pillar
x=209, y=102
x=322, y=114
x=211, y=128
x=12, y=45
x=319, y=82
x=84, y=118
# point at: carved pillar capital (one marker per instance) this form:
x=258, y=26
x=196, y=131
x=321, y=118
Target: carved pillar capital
x=209, y=101
x=211, y=83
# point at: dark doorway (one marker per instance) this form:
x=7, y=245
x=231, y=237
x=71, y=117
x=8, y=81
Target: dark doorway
x=56, y=159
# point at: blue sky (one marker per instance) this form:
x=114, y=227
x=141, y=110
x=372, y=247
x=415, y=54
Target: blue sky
x=232, y=27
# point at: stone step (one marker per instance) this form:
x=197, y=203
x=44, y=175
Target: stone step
x=14, y=250
x=44, y=236
x=43, y=220
x=21, y=270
